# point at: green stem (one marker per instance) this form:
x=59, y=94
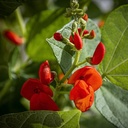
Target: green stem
x=74, y=65
x=80, y=63
x=20, y=21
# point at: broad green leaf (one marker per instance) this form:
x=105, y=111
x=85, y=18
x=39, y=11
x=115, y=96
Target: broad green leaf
x=71, y=118
x=30, y=118
x=64, y=54
x=8, y=6
x=40, y=27
x=112, y=102
x=115, y=37
x=39, y=119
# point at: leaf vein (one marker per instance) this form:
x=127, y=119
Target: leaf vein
x=115, y=50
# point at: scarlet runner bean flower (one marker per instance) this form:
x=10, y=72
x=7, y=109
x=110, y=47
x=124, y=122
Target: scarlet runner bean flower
x=38, y=92
x=83, y=95
x=13, y=37
x=98, y=54
x=85, y=80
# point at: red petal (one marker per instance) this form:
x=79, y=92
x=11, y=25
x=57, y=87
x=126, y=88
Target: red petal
x=85, y=103
x=79, y=91
x=46, y=89
x=30, y=87
x=42, y=101
x=98, y=54
x=45, y=73
x=89, y=74
x=83, y=95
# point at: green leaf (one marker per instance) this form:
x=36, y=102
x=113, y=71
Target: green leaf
x=40, y=27
x=112, y=102
x=64, y=54
x=70, y=118
x=39, y=119
x=30, y=118
x=115, y=37
x=8, y=6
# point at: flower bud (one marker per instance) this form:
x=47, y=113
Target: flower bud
x=98, y=54
x=85, y=17
x=77, y=41
x=13, y=37
x=58, y=36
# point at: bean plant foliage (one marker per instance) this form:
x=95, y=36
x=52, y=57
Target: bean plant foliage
x=19, y=63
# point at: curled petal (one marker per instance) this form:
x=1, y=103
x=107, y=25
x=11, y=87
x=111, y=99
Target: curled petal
x=85, y=103
x=89, y=74
x=45, y=73
x=83, y=95
x=42, y=101
x=30, y=87
x=79, y=91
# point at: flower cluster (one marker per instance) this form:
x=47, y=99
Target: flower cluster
x=38, y=92
x=85, y=80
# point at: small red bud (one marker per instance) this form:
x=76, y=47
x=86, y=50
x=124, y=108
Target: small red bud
x=98, y=54
x=92, y=34
x=13, y=37
x=85, y=32
x=85, y=17
x=71, y=39
x=58, y=36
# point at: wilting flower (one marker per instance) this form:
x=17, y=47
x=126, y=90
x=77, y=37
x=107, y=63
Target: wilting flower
x=38, y=92
x=77, y=41
x=13, y=37
x=85, y=80
x=58, y=36
x=98, y=54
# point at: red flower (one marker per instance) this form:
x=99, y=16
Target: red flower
x=86, y=80
x=98, y=54
x=83, y=95
x=77, y=41
x=58, y=36
x=38, y=92
x=89, y=74
x=13, y=37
